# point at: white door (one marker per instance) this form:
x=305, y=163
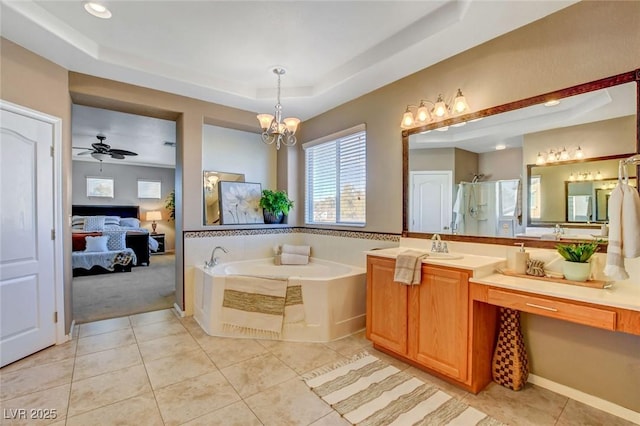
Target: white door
x=430, y=201
x=27, y=283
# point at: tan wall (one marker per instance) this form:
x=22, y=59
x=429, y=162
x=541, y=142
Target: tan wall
x=31, y=81
x=466, y=165
x=431, y=159
x=584, y=42
x=500, y=165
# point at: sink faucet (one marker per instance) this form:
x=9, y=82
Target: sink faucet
x=213, y=261
x=437, y=245
x=558, y=230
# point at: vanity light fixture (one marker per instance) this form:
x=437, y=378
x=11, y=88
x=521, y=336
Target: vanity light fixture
x=440, y=110
x=598, y=175
x=97, y=9
x=555, y=155
x=274, y=128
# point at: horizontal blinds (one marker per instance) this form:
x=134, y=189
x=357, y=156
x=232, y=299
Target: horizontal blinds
x=336, y=181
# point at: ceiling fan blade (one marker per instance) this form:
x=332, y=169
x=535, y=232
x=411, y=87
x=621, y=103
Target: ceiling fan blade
x=122, y=152
x=99, y=146
x=85, y=152
x=117, y=155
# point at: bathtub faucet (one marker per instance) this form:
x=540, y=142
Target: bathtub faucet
x=214, y=260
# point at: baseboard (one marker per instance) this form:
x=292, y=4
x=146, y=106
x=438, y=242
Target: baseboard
x=179, y=310
x=585, y=398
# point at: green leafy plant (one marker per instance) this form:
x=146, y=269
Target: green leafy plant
x=579, y=253
x=170, y=204
x=275, y=201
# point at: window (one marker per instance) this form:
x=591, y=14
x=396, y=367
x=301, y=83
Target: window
x=336, y=173
x=149, y=188
x=535, y=199
x=99, y=187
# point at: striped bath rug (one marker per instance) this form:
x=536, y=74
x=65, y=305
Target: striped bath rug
x=366, y=391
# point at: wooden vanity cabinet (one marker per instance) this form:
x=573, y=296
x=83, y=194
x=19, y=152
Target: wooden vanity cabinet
x=426, y=323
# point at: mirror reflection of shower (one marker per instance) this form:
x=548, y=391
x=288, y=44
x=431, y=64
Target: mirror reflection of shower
x=488, y=208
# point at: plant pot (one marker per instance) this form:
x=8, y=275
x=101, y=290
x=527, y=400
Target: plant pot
x=575, y=271
x=270, y=217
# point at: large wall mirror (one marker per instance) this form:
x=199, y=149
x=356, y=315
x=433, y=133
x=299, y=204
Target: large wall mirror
x=505, y=171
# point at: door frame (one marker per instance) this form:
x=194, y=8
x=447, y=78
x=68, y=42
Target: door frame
x=58, y=247
x=413, y=174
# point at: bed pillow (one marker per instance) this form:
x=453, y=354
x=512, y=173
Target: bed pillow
x=97, y=244
x=94, y=223
x=112, y=220
x=117, y=240
x=130, y=222
x=77, y=222
x=78, y=242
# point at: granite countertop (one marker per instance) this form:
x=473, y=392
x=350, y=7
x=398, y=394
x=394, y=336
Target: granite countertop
x=624, y=295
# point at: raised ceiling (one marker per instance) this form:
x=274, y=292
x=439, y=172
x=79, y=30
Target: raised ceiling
x=223, y=51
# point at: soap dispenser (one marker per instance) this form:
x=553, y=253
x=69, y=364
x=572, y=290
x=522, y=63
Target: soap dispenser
x=521, y=259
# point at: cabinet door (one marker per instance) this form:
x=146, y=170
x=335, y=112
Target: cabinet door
x=438, y=323
x=386, y=306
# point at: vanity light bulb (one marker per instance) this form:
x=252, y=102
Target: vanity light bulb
x=598, y=175
x=564, y=155
x=440, y=108
x=551, y=157
x=572, y=177
x=407, y=120
x=423, y=114
x=540, y=160
x=579, y=154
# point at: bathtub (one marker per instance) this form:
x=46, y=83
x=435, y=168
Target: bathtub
x=334, y=297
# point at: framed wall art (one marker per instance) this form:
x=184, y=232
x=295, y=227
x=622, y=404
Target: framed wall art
x=240, y=203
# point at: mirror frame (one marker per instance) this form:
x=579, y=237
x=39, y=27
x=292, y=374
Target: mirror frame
x=615, y=80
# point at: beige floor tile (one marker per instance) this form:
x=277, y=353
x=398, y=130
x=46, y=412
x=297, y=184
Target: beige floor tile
x=102, y=342
x=304, y=357
x=236, y=414
x=225, y=351
x=529, y=406
x=194, y=328
x=577, y=413
x=33, y=379
x=140, y=410
x=104, y=326
x=289, y=403
x=98, y=391
x=98, y=363
x=154, y=316
x=167, y=346
x=49, y=406
x=155, y=330
x=351, y=344
x=173, y=369
x=193, y=398
x=257, y=374
x=331, y=419
x=399, y=364
x=46, y=356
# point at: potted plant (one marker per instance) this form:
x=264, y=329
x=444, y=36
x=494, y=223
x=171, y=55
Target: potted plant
x=170, y=205
x=576, y=266
x=275, y=204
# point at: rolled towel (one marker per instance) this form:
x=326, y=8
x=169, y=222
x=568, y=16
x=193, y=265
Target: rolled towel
x=302, y=250
x=293, y=259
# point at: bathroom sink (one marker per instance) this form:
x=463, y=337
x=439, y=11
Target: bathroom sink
x=444, y=256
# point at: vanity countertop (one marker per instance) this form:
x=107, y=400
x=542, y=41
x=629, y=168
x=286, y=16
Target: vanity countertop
x=479, y=265
x=624, y=295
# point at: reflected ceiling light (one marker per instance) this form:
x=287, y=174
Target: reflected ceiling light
x=500, y=147
x=540, y=160
x=97, y=9
x=555, y=155
x=564, y=155
x=598, y=175
x=442, y=129
x=274, y=128
x=551, y=103
x=439, y=110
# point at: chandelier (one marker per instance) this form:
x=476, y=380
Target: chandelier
x=274, y=128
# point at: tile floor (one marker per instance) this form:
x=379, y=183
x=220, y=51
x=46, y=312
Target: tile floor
x=158, y=369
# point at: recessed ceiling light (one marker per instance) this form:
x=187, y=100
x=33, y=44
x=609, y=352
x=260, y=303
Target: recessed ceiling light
x=98, y=10
x=551, y=103
x=442, y=129
x=500, y=147
x=463, y=123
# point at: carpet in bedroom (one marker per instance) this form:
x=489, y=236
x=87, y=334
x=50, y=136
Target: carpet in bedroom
x=144, y=289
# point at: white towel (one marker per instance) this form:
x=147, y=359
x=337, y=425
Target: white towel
x=293, y=259
x=303, y=250
x=458, y=209
x=409, y=267
x=615, y=260
x=630, y=222
x=293, y=304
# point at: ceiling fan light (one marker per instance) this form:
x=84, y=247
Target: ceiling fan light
x=100, y=156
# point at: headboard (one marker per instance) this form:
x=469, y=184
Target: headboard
x=122, y=211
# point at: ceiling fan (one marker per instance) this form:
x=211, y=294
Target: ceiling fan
x=101, y=151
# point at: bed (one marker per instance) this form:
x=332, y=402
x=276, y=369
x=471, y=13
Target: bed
x=117, y=219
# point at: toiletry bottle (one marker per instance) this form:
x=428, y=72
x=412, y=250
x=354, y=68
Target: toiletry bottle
x=604, y=230
x=521, y=258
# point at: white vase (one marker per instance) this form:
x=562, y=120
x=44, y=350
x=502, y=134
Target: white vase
x=575, y=271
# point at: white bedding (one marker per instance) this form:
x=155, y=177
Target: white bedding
x=87, y=260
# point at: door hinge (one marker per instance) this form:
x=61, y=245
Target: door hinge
x=55, y=317
x=53, y=234
x=51, y=150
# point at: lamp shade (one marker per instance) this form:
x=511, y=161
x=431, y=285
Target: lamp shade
x=154, y=215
